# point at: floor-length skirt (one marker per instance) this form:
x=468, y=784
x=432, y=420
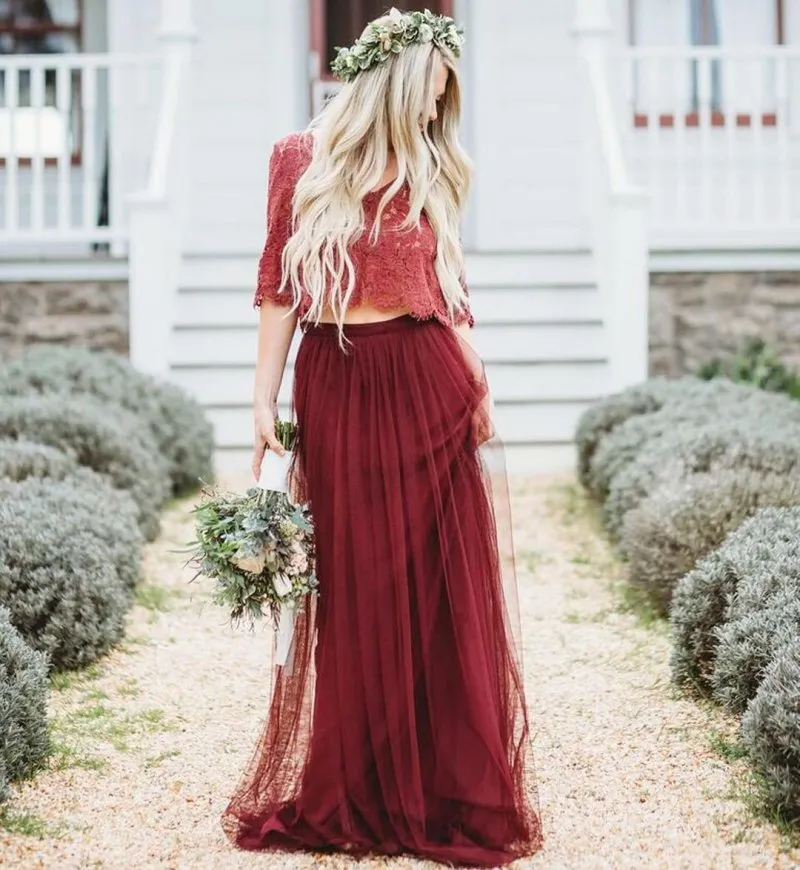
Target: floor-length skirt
x=398, y=724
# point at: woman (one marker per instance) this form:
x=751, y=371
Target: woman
x=398, y=724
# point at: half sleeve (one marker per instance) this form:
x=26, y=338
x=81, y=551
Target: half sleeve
x=280, y=191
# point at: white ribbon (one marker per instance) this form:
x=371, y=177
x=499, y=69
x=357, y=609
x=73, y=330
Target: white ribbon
x=285, y=635
x=274, y=477
x=275, y=472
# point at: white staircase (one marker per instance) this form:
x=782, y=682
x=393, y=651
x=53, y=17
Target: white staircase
x=539, y=329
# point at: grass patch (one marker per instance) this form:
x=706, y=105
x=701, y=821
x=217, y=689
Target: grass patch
x=129, y=688
x=750, y=788
x=98, y=723
x=62, y=680
x=730, y=750
x=129, y=646
x=67, y=757
x=530, y=560
x=635, y=602
x=157, y=760
x=23, y=823
x=156, y=599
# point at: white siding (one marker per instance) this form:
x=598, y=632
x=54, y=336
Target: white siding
x=249, y=89
x=523, y=102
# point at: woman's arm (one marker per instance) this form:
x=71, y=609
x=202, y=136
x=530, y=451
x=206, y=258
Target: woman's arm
x=276, y=328
x=484, y=414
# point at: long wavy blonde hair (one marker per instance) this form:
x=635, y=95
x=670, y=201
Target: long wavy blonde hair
x=386, y=107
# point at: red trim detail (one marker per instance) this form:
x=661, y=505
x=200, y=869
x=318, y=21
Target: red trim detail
x=692, y=120
x=23, y=162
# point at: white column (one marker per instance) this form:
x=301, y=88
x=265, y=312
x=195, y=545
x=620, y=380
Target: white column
x=158, y=214
x=618, y=210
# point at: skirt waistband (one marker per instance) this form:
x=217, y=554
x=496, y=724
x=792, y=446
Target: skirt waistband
x=378, y=327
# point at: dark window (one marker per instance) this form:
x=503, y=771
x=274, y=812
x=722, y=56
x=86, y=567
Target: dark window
x=39, y=27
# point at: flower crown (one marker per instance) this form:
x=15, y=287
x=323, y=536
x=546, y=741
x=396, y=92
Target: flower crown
x=383, y=40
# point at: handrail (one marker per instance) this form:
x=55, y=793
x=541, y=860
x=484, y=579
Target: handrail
x=165, y=136
x=617, y=209
x=96, y=60
x=610, y=140
x=720, y=52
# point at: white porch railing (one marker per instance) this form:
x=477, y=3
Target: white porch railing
x=617, y=209
x=713, y=132
x=68, y=157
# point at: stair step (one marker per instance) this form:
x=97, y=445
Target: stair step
x=549, y=381
x=233, y=307
x=517, y=343
x=500, y=269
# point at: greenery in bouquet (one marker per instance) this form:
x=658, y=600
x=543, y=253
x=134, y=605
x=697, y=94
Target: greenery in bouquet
x=258, y=547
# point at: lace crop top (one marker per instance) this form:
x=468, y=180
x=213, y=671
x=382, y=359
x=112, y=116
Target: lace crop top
x=396, y=272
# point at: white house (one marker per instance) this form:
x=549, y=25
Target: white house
x=612, y=138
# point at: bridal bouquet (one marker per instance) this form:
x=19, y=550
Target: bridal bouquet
x=258, y=547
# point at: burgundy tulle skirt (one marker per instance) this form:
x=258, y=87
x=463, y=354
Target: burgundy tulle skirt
x=398, y=725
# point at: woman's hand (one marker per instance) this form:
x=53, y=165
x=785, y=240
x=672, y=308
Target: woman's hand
x=276, y=326
x=483, y=419
x=264, y=437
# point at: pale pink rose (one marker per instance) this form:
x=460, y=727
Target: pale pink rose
x=251, y=564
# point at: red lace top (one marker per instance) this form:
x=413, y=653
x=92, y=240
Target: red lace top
x=396, y=272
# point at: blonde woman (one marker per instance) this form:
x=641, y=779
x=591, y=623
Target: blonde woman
x=398, y=725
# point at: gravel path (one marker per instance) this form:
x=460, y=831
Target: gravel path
x=152, y=741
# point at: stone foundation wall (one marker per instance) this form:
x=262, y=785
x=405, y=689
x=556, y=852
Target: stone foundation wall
x=91, y=314
x=697, y=317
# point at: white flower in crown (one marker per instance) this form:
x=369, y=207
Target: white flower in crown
x=425, y=33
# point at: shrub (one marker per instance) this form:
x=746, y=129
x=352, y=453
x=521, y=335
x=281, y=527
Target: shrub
x=604, y=416
x=110, y=441
x=685, y=519
x=69, y=553
x=748, y=644
x=695, y=405
x=24, y=742
x=22, y=459
x=743, y=443
x=181, y=430
x=702, y=599
x=763, y=614
x=771, y=729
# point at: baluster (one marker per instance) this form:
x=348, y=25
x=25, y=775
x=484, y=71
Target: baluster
x=732, y=177
x=65, y=157
x=759, y=154
x=782, y=131
x=680, y=86
x=12, y=165
x=654, y=96
x=37, y=74
x=706, y=210
x=89, y=137
x=115, y=79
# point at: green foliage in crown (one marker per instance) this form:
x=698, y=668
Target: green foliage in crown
x=383, y=40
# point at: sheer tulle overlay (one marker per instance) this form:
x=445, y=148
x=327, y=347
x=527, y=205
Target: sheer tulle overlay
x=398, y=724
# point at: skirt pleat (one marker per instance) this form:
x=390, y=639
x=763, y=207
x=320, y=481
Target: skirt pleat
x=402, y=707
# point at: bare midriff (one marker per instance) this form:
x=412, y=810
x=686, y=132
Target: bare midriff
x=365, y=314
